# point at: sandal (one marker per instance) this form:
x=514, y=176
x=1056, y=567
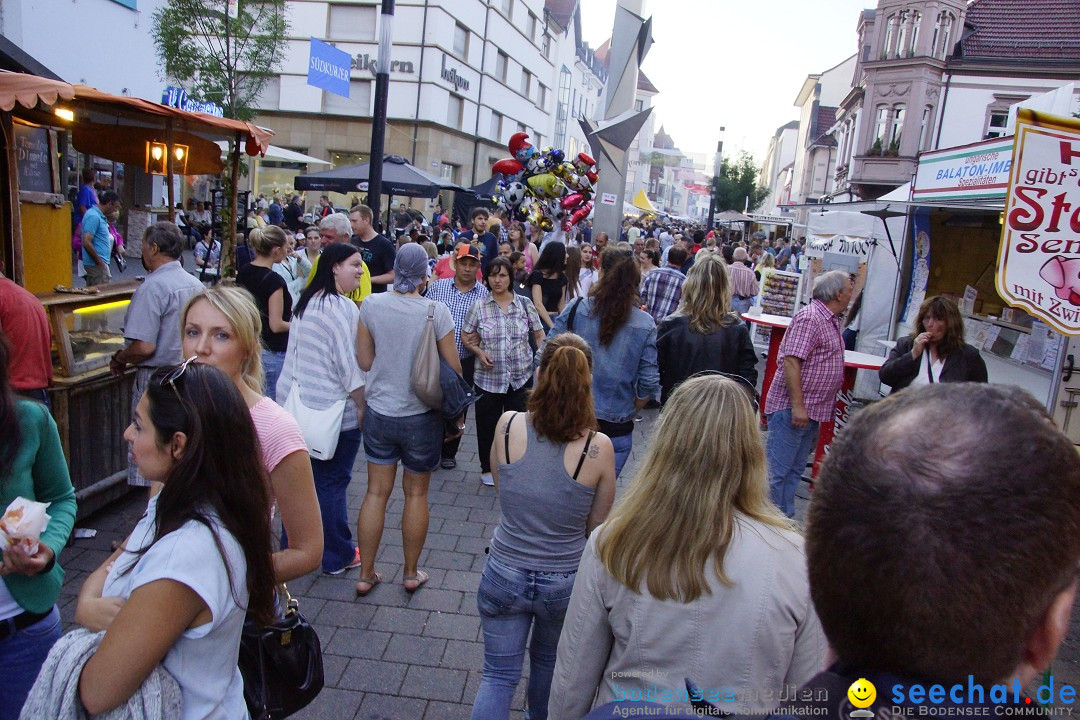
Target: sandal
x=419, y=578
x=363, y=586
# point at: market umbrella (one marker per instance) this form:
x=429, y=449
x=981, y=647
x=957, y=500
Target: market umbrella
x=476, y=196
x=399, y=178
x=730, y=216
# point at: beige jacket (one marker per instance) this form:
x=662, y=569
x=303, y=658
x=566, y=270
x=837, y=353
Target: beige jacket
x=746, y=646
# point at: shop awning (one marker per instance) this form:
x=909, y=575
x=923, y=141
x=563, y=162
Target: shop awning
x=29, y=90
x=273, y=152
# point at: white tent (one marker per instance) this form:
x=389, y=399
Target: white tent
x=854, y=233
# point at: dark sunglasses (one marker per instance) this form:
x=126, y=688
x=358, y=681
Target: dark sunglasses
x=176, y=374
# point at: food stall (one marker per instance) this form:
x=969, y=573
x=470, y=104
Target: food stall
x=37, y=115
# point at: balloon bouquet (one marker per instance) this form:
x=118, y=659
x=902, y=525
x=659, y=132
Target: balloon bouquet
x=542, y=187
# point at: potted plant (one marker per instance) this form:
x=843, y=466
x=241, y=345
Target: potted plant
x=875, y=149
x=893, y=149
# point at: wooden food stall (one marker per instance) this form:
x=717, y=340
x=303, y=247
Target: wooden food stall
x=91, y=406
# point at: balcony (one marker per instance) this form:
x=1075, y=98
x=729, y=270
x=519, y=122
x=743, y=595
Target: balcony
x=878, y=170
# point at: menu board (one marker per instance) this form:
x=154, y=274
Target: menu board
x=33, y=159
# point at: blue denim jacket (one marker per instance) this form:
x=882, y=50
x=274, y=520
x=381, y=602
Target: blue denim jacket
x=622, y=371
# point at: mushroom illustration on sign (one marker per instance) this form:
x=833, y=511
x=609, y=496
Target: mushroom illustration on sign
x=1063, y=274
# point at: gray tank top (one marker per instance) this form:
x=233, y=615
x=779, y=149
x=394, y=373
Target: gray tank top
x=544, y=510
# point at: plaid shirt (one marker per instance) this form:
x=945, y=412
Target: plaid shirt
x=661, y=290
x=743, y=282
x=446, y=292
x=504, y=336
x=814, y=336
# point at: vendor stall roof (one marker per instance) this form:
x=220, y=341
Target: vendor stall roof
x=116, y=115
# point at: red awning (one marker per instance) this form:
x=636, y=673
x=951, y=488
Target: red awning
x=29, y=90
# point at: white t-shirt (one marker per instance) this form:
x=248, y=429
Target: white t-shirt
x=203, y=660
x=935, y=369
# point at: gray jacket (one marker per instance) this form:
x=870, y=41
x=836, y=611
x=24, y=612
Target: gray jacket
x=744, y=645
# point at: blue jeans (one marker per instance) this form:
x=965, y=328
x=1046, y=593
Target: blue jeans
x=22, y=655
x=272, y=363
x=511, y=602
x=786, y=449
x=622, y=444
x=331, y=481
x=413, y=440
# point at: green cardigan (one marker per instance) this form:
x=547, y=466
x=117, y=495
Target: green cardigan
x=40, y=473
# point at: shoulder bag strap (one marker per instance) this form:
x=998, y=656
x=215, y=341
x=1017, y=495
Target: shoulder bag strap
x=506, y=436
x=584, y=450
x=573, y=314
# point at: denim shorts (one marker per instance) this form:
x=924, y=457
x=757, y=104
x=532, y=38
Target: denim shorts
x=414, y=440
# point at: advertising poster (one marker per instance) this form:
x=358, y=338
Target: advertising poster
x=920, y=265
x=1038, y=265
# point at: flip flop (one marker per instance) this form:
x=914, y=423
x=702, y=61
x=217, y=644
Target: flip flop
x=419, y=578
x=368, y=585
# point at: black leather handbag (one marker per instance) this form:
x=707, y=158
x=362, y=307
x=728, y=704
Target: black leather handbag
x=281, y=664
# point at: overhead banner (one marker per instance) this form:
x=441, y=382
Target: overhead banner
x=968, y=172
x=329, y=68
x=1039, y=256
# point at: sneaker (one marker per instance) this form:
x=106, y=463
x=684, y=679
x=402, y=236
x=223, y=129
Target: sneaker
x=448, y=463
x=354, y=564
x=487, y=480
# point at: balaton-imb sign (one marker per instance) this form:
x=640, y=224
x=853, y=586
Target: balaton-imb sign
x=1039, y=256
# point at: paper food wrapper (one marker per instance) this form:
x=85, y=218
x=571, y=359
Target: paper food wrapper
x=22, y=525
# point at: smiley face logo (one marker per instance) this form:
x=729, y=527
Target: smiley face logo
x=862, y=693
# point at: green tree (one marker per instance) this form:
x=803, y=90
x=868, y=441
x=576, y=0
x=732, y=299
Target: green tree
x=736, y=182
x=225, y=60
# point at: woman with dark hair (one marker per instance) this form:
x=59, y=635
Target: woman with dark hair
x=272, y=297
x=935, y=351
x=623, y=341
x=575, y=268
x=321, y=362
x=547, y=282
x=521, y=243
x=497, y=330
x=32, y=466
x=198, y=561
x=703, y=333
x=556, y=482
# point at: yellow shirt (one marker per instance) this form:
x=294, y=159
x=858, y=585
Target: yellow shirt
x=357, y=295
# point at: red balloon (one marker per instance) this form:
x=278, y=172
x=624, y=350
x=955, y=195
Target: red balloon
x=507, y=166
x=572, y=201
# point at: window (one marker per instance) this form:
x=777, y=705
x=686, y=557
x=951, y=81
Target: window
x=461, y=41
x=358, y=102
x=501, y=63
x=890, y=35
x=449, y=171
x=522, y=128
x=352, y=22
x=897, y=126
x=942, y=34
x=508, y=7
x=545, y=45
x=901, y=33
x=542, y=96
x=882, y=125
x=496, y=126
x=526, y=82
x=995, y=123
x=533, y=24
x=924, y=127
x=562, y=110
x=639, y=105
x=916, y=21
x=455, y=111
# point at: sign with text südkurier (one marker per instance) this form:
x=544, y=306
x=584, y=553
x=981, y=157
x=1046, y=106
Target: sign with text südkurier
x=1039, y=256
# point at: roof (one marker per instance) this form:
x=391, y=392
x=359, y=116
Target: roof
x=823, y=119
x=561, y=11
x=1033, y=29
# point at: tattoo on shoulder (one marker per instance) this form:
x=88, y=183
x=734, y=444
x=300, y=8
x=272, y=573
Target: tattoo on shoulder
x=594, y=451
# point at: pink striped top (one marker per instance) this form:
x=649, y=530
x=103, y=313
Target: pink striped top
x=279, y=435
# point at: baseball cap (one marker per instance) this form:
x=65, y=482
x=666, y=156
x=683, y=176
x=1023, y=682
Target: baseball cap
x=468, y=251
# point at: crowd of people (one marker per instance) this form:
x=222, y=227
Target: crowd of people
x=699, y=570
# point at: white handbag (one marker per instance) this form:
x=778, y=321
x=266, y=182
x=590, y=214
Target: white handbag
x=321, y=428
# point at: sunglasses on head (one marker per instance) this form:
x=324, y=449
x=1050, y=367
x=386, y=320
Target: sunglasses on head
x=176, y=374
